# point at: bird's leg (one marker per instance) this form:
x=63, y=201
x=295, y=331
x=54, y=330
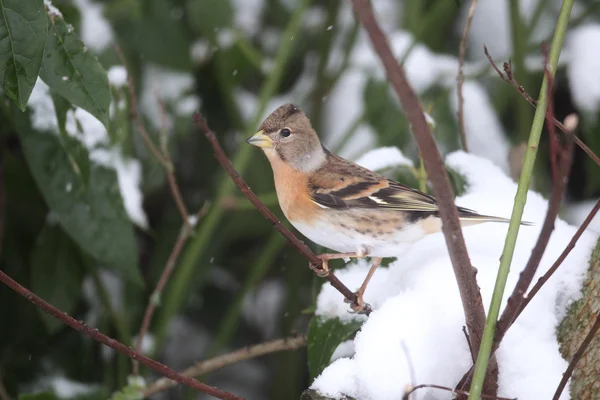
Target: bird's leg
x=324, y=271
x=358, y=305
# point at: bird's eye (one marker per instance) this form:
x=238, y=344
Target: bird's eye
x=285, y=132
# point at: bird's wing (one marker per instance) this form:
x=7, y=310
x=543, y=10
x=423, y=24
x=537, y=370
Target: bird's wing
x=341, y=184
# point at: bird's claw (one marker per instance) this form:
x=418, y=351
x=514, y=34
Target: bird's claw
x=321, y=272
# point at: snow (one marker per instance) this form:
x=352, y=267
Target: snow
x=200, y=51
x=485, y=136
x=384, y=157
x=576, y=213
x=96, y=32
x=86, y=128
x=417, y=306
x=52, y=9
x=117, y=76
x=583, y=67
x=247, y=15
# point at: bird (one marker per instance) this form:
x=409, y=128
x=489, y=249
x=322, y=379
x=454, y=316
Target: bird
x=341, y=205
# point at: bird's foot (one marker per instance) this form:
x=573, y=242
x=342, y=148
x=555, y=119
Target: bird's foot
x=321, y=271
x=357, y=305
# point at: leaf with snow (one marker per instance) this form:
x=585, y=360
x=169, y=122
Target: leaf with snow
x=23, y=27
x=93, y=214
x=56, y=272
x=324, y=336
x=74, y=72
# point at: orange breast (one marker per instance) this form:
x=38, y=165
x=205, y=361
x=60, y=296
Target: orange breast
x=292, y=193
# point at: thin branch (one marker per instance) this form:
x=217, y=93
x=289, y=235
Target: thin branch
x=457, y=391
x=291, y=238
x=552, y=137
x=510, y=79
x=540, y=283
x=576, y=357
x=462, y=49
x=135, y=116
x=184, y=235
x=243, y=354
x=96, y=335
x=464, y=272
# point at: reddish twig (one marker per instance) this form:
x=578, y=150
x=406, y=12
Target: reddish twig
x=112, y=343
x=464, y=272
x=552, y=137
x=213, y=364
x=509, y=78
x=457, y=391
x=165, y=159
x=576, y=357
x=462, y=49
x=291, y=238
x=186, y=231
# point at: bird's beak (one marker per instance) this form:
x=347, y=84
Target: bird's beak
x=260, y=140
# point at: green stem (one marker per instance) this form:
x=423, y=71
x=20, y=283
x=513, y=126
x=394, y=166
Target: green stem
x=519, y=42
x=519, y=205
x=179, y=285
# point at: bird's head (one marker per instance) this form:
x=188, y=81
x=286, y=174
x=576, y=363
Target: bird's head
x=286, y=135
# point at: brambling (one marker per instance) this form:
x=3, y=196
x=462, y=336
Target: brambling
x=341, y=205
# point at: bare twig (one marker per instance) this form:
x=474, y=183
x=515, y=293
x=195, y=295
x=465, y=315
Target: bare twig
x=464, y=272
x=457, y=391
x=96, y=335
x=184, y=235
x=243, y=354
x=509, y=78
x=291, y=238
x=134, y=114
x=165, y=159
x=462, y=49
x=576, y=357
x=552, y=137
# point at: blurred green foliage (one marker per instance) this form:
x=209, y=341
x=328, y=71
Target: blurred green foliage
x=64, y=228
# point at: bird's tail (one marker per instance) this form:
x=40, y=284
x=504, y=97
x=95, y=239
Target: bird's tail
x=470, y=217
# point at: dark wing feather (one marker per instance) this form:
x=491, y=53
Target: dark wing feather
x=343, y=185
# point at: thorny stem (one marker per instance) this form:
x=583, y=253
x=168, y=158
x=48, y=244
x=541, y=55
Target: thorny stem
x=461, y=78
x=464, y=272
x=264, y=210
x=519, y=205
x=213, y=364
x=112, y=343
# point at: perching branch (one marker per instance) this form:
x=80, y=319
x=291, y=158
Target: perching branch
x=462, y=49
x=510, y=79
x=245, y=189
x=576, y=357
x=465, y=273
x=112, y=343
x=213, y=364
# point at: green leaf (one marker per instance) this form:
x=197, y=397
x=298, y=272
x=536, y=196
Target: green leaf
x=92, y=213
x=38, y=396
x=74, y=72
x=23, y=27
x=56, y=272
x=324, y=336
